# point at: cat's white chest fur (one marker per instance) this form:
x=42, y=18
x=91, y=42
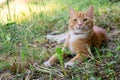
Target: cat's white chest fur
x=74, y=37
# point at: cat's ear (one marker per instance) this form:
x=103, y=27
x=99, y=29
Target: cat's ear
x=72, y=11
x=90, y=11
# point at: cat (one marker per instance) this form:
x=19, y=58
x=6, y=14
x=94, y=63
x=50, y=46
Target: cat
x=82, y=33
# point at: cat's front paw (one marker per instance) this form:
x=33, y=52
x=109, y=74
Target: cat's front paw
x=47, y=64
x=68, y=64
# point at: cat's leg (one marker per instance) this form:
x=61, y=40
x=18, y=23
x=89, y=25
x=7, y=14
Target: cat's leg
x=79, y=57
x=54, y=58
x=73, y=60
x=51, y=61
x=58, y=38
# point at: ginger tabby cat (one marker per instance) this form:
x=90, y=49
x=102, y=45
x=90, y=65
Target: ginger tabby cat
x=82, y=32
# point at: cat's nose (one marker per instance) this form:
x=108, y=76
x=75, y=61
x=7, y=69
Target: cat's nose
x=79, y=25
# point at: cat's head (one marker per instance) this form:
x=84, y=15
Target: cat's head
x=81, y=22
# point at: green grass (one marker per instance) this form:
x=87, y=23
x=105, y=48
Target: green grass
x=23, y=30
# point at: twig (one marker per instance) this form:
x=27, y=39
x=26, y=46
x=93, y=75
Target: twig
x=46, y=70
x=91, y=55
x=108, y=50
x=1, y=58
x=115, y=33
x=29, y=75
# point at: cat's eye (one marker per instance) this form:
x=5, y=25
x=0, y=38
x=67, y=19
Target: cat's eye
x=84, y=20
x=75, y=19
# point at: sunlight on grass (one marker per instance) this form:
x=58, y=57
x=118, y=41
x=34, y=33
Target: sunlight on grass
x=21, y=11
x=18, y=12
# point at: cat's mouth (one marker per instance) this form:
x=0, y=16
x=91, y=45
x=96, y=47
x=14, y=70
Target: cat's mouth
x=78, y=33
x=82, y=32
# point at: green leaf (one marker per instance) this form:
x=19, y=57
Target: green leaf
x=66, y=50
x=59, y=51
x=109, y=54
x=59, y=55
x=112, y=63
x=98, y=54
x=23, y=55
